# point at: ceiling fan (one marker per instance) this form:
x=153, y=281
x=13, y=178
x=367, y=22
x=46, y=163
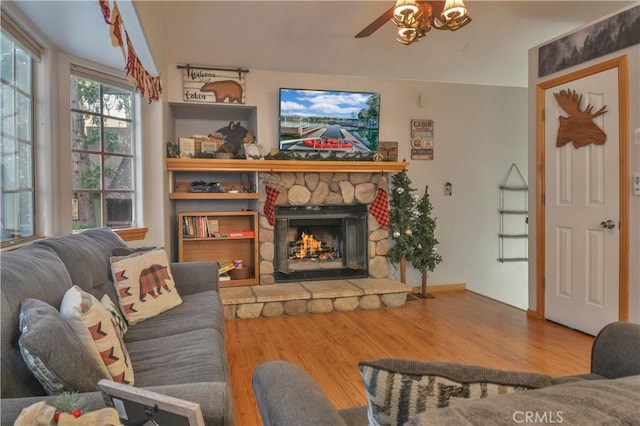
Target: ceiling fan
x=415, y=18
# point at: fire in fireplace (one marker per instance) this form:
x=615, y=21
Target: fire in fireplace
x=320, y=242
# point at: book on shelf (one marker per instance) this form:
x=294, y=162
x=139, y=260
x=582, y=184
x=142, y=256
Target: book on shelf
x=224, y=277
x=200, y=227
x=213, y=225
x=225, y=266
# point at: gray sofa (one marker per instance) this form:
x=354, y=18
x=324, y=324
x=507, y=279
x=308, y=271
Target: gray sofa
x=609, y=394
x=179, y=353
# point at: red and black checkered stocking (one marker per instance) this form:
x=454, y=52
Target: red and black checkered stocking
x=380, y=208
x=270, y=204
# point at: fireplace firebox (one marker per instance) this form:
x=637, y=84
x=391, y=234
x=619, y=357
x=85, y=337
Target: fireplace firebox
x=320, y=242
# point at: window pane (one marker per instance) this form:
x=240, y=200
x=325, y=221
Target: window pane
x=86, y=171
x=8, y=163
x=118, y=173
x=116, y=102
x=85, y=95
x=8, y=110
x=10, y=217
x=23, y=70
x=6, y=59
x=25, y=165
x=17, y=215
x=117, y=136
x=23, y=116
x=119, y=210
x=26, y=214
x=89, y=211
x=85, y=132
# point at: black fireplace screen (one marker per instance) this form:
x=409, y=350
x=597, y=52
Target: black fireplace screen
x=320, y=242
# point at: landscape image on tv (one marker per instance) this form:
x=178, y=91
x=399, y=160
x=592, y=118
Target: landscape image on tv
x=329, y=120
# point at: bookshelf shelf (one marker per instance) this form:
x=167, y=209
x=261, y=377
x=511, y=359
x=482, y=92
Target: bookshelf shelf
x=195, y=244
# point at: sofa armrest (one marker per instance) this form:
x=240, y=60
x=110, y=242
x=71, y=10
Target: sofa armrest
x=194, y=277
x=616, y=351
x=287, y=395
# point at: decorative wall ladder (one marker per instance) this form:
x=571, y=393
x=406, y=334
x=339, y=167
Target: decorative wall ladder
x=513, y=235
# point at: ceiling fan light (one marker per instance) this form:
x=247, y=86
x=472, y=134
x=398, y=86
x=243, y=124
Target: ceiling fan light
x=454, y=10
x=407, y=35
x=405, y=10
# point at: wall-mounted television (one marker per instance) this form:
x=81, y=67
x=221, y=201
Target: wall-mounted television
x=329, y=120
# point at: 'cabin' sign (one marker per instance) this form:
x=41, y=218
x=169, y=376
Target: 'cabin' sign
x=213, y=86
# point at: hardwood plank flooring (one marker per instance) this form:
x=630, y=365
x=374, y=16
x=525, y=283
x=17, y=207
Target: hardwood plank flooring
x=456, y=326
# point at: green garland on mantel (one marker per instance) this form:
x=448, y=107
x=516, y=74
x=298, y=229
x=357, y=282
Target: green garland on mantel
x=333, y=156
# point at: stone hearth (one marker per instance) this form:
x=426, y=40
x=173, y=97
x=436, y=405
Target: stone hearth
x=312, y=297
x=300, y=189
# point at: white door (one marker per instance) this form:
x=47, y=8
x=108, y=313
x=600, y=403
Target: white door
x=582, y=211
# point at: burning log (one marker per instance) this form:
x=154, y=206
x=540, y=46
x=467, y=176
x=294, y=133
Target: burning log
x=309, y=247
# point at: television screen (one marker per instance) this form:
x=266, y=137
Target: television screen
x=329, y=120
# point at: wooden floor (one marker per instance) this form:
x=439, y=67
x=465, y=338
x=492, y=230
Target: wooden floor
x=456, y=326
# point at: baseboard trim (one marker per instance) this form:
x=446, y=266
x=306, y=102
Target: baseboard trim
x=533, y=314
x=442, y=288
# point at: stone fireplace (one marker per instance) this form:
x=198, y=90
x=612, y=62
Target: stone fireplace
x=333, y=208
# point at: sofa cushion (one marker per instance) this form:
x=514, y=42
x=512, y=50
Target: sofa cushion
x=53, y=353
x=29, y=272
x=398, y=390
x=86, y=257
x=190, y=357
x=589, y=402
x=144, y=285
x=94, y=329
x=186, y=317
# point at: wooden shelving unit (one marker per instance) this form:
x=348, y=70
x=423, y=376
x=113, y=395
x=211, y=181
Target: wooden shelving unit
x=281, y=166
x=223, y=248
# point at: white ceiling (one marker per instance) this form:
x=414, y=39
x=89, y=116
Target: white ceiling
x=318, y=36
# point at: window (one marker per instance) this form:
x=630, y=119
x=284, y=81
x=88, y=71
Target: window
x=102, y=153
x=17, y=201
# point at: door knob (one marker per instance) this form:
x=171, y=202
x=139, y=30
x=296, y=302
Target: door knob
x=608, y=224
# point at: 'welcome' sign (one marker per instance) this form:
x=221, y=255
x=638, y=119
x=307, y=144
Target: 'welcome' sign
x=213, y=86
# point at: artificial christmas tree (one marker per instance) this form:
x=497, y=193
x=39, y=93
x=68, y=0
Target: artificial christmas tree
x=401, y=210
x=425, y=257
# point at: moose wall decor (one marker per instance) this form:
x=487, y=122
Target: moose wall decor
x=578, y=127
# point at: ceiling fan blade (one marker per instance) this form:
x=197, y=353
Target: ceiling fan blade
x=373, y=27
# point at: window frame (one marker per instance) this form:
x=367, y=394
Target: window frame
x=21, y=39
x=104, y=79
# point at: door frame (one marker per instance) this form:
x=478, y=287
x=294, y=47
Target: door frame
x=621, y=63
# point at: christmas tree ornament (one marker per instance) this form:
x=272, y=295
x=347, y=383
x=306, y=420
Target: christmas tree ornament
x=396, y=234
x=408, y=232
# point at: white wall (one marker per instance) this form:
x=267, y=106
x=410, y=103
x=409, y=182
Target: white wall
x=633, y=55
x=479, y=132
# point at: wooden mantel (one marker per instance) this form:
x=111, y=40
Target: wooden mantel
x=282, y=166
